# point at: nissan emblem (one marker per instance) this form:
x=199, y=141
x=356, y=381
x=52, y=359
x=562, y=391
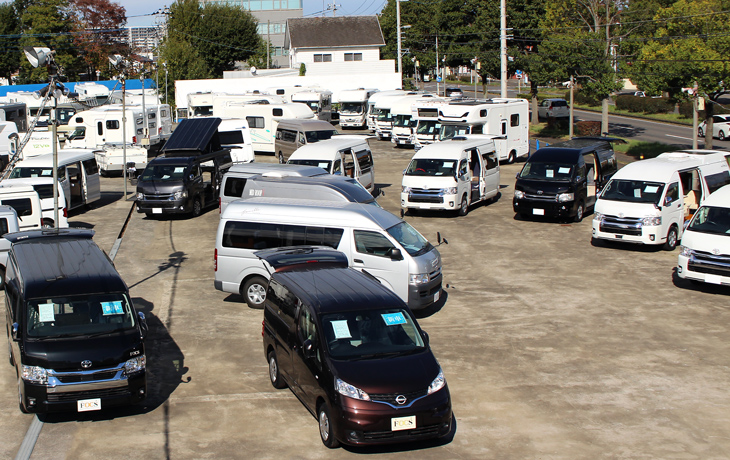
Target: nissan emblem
x=86, y=364
x=400, y=399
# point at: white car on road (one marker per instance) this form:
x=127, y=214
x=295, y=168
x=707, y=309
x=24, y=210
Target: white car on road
x=720, y=127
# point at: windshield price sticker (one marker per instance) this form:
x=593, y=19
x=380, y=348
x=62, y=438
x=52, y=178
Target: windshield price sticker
x=651, y=189
x=563, y=170
x=112, y=308
x=45, y=313
x=637, y=193
x=549, y=173
x=179, y=169
x=342, y=331
x=392, y=319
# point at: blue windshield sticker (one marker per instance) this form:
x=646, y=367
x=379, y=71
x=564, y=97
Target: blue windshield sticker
x=391, y=319
x=112, y=308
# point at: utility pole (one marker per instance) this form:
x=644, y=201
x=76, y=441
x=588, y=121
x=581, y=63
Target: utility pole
x=397, y=27
x=437, y=65
x=268, y=43
x=503, y=46
x=570, y=119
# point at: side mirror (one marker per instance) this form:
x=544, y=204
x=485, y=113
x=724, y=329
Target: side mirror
x=144, y=329
x=425, y=336
x=440, y=240
x=308, y=348
x=686, y=223
x=395, y=254
x=15, y=332
x=667, y=200
x=517, y=176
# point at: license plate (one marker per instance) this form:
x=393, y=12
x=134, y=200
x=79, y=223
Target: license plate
x=619, y=236
x=156, y=210
x=713, y=279
x=538, y=212
x=423, y=206
x=86, y=405
x=437, y=296
x=403, y=423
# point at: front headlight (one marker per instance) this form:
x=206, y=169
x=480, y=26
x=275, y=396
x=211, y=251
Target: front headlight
x=651, y=221
x=519, y=194
x=417, y=278
x=406, y=189
x=134, y=365
x=140, y=196
x=563, y=197
x=35, y=374
x=450, y=191
x=685, y=251
x=180, y=194
x=597, y=216
x=438, y=383
x=350, y=391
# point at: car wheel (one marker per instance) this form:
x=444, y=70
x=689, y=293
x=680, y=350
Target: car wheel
x=721, y=135
x=326, y=430
x=47, y=223
x=464, y=207
x=579, y=213
x=254, y=292
x=672, y=237
x=197, y=207
x=274, y=374
x=281, y=158
x=512, y=157
x=2, y=278
x=700, y=133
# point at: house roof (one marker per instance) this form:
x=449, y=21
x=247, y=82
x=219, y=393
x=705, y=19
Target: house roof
x=342, y=31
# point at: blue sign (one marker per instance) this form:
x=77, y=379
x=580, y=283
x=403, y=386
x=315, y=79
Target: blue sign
x=518, y=73
x=391, y=319
x=438, y=78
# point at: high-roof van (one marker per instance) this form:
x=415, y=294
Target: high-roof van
x=26, y=202
x=345, y=155
x=325, y=188
x=648, y=201
x=77, y=342
x=373, y=240
x=234, y=181
x=294, y=133
x=44, y=187
x=704, y=253
x=8, y=224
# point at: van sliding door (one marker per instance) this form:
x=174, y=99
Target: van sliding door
x=92, y=183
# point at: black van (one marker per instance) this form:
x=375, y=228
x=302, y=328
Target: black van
x=187, y=177
x=562, y=180
x=75, y=339
x=351, y=351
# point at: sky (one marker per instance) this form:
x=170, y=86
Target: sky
x=141, y=12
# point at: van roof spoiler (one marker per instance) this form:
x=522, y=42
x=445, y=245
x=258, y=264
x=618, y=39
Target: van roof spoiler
x=75, y=233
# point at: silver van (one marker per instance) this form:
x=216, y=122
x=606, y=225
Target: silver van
x=319, y=188
x=294, y=133
x=235, y=179
x=374, y=241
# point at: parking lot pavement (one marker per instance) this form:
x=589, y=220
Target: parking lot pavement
x=552, y=348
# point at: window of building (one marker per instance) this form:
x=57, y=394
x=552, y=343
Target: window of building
x=322, y=58
x=353, y=56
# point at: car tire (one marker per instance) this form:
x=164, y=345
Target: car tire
x=47, y=223
x=326, y=430
x=512, y=157
x=280, y=158
x=579, y=212
x=700, y=133
x=721, y=135
x=463, y=207
x=254, y=292
x=274, y=374
x=672, y=237
x=197, y=207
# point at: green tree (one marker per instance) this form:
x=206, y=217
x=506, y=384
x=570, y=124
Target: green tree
x=9, y=28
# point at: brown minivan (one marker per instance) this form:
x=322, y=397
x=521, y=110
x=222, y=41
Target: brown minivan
x=351, y=351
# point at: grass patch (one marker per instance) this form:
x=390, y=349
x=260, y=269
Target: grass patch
x=671, y=117
x=643, y=150
x=555, y=130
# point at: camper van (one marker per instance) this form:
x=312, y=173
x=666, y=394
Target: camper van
x=374, y=241
x=263, y=119
x=26, y=203
x=648, y=201
x=401, y=111
x=452, y=175
x=15, y=112
x=384, y=118
x=425, y=121
x=222, y=100
x=235, y=135
x=292, y=134
x=319, y=100
x=346, y=155
x=113, y=158
x=78, y=174
x=505, y=117
x=373, y=100
x=234, y=181
x=354, y=107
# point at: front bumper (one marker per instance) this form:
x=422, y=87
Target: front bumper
x=425, y=295
x=182, y=206
x=551, y=208
x=436, y=201
x=705, y=267
x=630, y=233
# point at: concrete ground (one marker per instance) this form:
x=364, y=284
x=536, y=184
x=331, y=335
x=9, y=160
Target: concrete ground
x=552, y=348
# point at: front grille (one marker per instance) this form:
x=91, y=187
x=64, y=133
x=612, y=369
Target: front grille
x=621, y=225
x=93, y=394
x=430, y=292
x=76, y=378
x=544, y=197
x=160, y=197
x=425, y=195
x=390, y=397
x=434, y=274
x=420, y=432
x=711, y=264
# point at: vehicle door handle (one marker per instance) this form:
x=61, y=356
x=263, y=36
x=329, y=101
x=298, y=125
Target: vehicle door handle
x=359, y=261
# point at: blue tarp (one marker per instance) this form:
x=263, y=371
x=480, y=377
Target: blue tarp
x=132, y=84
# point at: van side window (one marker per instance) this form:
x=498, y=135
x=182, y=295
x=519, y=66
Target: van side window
x=514, y=119
x=672, y=193
x=253, y=235
x=463, y=167
x=22, y=206
x=282, y=297
x=61, y=173
x=234, y=187
x=715, y=181
x=308, y=331
x=255, y=122
x=90, y=166
x=288, y=135
x=372, y=243
x=277, y=112
x=490, y=159
x=100, y=128
x=504, y=128
x=3, y=225
x=112, y=124
x=365, y=159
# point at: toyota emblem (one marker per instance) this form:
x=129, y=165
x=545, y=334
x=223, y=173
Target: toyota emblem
x=86, y=364
x=716, y=251
x=539, y=192
x=400, y=399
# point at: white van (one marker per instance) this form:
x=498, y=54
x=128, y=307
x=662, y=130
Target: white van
x=704, y=254
x=452, y=175
x=44, y=187
x=647, y=201
x=8, y=224
x=343, y=154
x=78, y=174
x=374, y=241
x=324, y=187
x=292, y=134
x=234, y=181
x=24, y=199
x=235, y=135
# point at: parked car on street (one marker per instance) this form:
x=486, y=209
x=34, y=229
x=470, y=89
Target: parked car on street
x=720, y=127
x=553, y=108
x=453, y=92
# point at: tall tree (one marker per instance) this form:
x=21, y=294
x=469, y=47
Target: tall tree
x=98, y=25
x=10, y=30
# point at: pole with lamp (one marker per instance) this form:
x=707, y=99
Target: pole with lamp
x=117, y=61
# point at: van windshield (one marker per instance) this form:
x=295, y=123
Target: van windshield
x=635, y=191
x=428, y=127
x=545, y=171
x=371, y=334
x=78, y=133
x=314, y=136
x=712, y=220
x=164, y=172
x=409, y=238
x=92, y=314
x=431, y=167
x=31, y=172
x=351, y=107
x=402, y=121
x=449, y=131
x=324, y=164
x=384, y=115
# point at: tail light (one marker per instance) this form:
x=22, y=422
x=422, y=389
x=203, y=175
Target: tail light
x=159, y=130
x=65, y=212
x=215, y=260
x=134, y=139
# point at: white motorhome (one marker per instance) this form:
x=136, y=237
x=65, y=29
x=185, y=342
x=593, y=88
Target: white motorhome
x=354, y=107
x=199, y=105
x=401, y=111
x=223, y=100
x=8, y=224
x=346, y=155
x=373, y=240
x=648, y=201
x=263, y=119
x=452, y=175
x=44, y=187
x=235, y=135
x=373, y=100
x=425, y=119
x=704, y=253
x=319, y=100
x=384, y=118
x=78, y=173
x=500, y=116
x=9, y=141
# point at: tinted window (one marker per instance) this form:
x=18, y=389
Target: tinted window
x=365, y=160
x=672, y=192
x=234, y=187
x=22, y=206
x=283, y=298
x=230, y=137
x=91, y=167
x=314, y=136
x=100, y=128
x=255, y=122
x=514, y=119
x=372, y=243
x=3, y=226
x=112, y=124
x=715, y=181
x=44, y=190
x=287, y=135
x=253, y=235
x=277, y=112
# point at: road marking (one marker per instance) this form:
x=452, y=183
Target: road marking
x=31, y=436
x=679, y=137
